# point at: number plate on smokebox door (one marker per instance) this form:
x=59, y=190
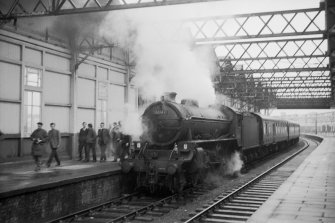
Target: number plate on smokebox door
x=159, y=111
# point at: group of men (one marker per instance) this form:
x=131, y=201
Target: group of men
x=40, y=137
x=112, y=140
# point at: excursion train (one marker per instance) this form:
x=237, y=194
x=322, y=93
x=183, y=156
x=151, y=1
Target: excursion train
x=181, y=142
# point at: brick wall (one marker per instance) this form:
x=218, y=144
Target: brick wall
x=48, y=204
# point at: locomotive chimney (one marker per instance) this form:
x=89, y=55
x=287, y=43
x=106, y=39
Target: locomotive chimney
x=170, y=96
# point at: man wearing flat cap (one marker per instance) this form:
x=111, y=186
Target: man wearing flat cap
x=39, y=138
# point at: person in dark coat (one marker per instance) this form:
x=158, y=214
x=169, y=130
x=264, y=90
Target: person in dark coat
x=103, y=139
x=39, y=138
x=82, y=141
x=116, y=140
x=125, y=145
x=54, y=140
x=90, y=143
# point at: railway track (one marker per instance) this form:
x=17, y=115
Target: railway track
x=232, y=206
x=240, y=204
x=134, y=207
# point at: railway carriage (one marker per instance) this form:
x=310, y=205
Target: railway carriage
x=293, y=132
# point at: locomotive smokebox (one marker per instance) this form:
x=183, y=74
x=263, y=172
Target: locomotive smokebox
x=169, y=96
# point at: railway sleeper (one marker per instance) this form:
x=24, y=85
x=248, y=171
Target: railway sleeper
x=172, y=206
x=267, y=194
x=265, y=187
x=244, y=201
x=143, y=218
x=261, y=191
x=197, y=193
x=138, y=203
x=104, y=214
x=238, y=208
x=161, y=209
x=228, y=217
x=92, y=220
x=122, y=207
x=214, y=220
x=268, y=184
x=260, y=195
x=233, y=212
x=155, y=213
x=117, y=211
x=247, y=198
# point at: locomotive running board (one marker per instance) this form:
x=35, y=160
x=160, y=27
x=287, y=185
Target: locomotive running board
x=208, y=141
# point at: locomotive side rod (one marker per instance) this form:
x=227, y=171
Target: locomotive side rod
x=230, y=196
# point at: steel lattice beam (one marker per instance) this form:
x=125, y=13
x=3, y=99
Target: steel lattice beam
x=24, y=8
x=236, y=27
x=330, y=28
x=281, y=56
x=254, y=55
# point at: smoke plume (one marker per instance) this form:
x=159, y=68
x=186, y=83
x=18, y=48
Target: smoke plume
x=166, y=59
x=233, y=164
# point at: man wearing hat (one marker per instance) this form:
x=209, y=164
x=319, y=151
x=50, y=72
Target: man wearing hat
x=91, y=140
x=103, y=139
x=39, y=138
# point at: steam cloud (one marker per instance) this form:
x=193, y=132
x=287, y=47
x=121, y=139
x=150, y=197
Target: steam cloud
x=233, y=164
x=165, y=58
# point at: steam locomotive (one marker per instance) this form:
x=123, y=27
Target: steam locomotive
x=181, y=142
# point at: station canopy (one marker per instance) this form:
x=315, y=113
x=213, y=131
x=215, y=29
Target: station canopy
x=282, y=59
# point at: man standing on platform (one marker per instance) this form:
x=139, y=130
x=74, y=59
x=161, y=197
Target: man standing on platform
x=103, y=139
x=116, y=138
x=82, y=141
x=125, y=145
x=39, y=138
x=54, y=140
x=91, y=141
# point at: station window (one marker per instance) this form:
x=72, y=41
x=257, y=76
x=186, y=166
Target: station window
x=103, y=90
x=102, y=102
x=102, y=111
x=32, y=111
x=32, y=77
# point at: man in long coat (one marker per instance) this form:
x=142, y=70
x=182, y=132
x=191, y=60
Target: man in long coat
x=116, y=140
x=103, y=139
x=39, y=138
x=90, y=140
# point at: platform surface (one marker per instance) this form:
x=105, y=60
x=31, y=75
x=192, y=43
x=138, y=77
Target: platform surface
x=20, y=177
x=308, y=195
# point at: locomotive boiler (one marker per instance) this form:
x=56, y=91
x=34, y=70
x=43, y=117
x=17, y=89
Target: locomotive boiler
x=180, y=143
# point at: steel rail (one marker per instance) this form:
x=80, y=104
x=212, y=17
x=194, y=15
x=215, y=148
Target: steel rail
x=114, y=200
x=149, y=207
x=242, y=188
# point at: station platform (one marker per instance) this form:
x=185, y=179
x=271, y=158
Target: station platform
x=308, y=195
x=45, y=195
x=20, y=177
